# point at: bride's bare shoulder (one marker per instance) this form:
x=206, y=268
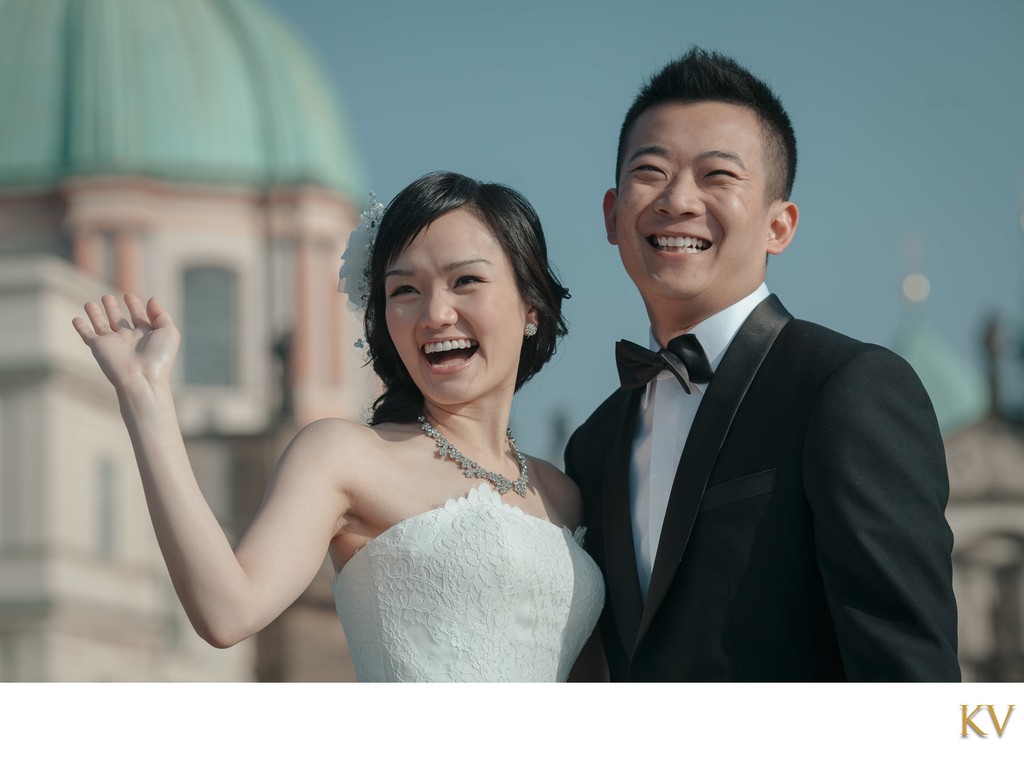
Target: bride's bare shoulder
x=329, y=436
x=330, y=430
x=324, y=440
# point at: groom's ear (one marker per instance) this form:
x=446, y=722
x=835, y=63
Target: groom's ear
x=782, y=226
x=610, y=223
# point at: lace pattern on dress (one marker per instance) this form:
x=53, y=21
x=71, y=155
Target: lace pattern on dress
x=473, y=590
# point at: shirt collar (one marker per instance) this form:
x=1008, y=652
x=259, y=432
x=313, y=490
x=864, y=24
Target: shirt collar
x=717, y=331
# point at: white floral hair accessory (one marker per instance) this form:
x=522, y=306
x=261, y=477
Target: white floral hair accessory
x=354, y=274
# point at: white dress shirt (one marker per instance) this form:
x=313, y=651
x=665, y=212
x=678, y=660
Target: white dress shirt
x=663, y=424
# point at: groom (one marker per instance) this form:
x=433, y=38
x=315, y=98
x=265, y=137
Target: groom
x=765, y=496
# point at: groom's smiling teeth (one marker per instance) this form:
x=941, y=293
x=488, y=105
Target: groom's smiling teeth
x=679, y=244
x=450, y=350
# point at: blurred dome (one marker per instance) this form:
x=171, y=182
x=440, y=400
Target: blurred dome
x=206, y=91
x=958, y=391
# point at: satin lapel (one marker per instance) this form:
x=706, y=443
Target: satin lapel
x=619, y=554
x=714, y=417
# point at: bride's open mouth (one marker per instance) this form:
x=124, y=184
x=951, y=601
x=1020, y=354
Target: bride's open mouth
x=443, y=352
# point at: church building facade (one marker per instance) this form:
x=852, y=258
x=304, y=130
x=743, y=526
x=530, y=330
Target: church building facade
x=194, y=151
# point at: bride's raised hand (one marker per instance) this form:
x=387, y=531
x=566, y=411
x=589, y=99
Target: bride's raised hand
x=140, y=349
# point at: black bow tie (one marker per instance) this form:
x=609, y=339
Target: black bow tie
x=684, y=358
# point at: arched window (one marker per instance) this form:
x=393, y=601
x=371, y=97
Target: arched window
x=210, y=326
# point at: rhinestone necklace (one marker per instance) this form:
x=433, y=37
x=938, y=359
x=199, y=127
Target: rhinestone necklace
x=472, y=470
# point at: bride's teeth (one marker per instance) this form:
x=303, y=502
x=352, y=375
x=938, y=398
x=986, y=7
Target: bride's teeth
x=446, y=345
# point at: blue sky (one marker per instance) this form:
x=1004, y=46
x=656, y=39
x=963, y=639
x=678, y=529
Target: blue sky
x=909, y=118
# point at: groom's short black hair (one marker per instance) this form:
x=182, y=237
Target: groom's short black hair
x=700, y=76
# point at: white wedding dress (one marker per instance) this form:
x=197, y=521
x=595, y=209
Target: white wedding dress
x=474, y=590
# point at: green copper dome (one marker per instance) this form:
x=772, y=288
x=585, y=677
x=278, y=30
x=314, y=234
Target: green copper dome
x=958, y=391
x=208, y=91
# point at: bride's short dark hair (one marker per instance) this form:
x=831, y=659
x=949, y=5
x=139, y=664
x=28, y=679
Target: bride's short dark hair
x=514, y=224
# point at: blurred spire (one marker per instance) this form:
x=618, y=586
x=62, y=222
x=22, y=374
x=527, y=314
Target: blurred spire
x=957, y=390
x=916, y=287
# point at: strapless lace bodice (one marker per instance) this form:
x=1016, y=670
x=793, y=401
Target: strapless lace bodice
x=474, y=590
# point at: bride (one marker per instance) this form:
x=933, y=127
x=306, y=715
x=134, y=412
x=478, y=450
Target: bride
x=437, y=579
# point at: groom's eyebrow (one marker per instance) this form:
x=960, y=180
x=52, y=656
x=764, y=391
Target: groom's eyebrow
x=726, y=155
x=648, y=150
x=660, y=150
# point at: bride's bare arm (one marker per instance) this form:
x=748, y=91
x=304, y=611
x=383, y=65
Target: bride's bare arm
x=228, y=594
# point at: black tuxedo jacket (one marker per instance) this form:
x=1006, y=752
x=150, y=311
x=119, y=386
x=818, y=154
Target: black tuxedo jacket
x=805, y=536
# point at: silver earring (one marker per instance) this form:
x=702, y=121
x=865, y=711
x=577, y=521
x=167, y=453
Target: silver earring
x=530, y=330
